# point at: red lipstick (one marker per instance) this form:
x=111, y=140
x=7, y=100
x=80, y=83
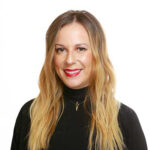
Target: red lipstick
x=71, y=69
x=72, y=72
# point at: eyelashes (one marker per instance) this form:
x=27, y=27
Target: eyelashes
x=59, y=49
x=62, y=49
x=81, y=48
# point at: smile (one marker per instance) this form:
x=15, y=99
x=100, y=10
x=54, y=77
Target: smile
x=72, y=73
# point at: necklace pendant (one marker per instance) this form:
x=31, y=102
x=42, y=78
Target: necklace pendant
x=77, y=105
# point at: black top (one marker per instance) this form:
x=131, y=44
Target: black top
x=71, y=131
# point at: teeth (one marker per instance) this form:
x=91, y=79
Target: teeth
x=72, y=72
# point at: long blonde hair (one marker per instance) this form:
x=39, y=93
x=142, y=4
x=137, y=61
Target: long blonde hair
x=48, y=106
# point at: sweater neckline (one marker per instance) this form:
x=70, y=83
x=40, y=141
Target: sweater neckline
x=74, y=94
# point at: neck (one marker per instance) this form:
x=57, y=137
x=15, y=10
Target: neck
x=74, y=94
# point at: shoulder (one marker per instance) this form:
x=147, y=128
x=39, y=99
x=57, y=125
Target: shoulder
x=126, y=111
x=131, y=128
x=23, y=118
x=127, y=116
x=128, y=120
x=24, y=111
x=22, y=126
x=26, y=106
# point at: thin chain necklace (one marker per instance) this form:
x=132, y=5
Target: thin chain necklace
x=76, y=104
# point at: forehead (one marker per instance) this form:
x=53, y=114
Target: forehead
x=74, y=32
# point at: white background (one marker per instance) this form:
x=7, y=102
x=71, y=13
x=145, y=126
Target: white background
x=23, y=25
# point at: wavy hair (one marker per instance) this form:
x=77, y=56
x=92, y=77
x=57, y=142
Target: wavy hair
x=47, y=108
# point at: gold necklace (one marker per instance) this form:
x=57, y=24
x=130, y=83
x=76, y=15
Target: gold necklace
x=76, y=105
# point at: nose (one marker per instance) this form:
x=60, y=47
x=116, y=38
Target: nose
x=70, y=58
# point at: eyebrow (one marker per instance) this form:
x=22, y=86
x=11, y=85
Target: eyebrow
x=75, y=44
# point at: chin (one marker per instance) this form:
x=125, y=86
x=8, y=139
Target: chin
x=73, y=86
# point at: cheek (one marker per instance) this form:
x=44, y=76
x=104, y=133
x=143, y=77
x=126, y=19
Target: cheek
x=57, y=61
x=56, y=64
x=87, y=60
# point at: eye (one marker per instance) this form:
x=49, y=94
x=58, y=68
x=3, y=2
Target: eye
x=59, y=49
x=81, y=48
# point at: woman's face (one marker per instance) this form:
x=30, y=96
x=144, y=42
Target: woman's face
x=73, y=52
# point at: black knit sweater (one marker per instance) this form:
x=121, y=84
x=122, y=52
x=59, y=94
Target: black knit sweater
x=71, y=131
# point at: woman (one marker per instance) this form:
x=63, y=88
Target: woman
x=76, y=108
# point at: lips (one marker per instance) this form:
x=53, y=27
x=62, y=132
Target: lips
x=71, y=69
x=72, y=73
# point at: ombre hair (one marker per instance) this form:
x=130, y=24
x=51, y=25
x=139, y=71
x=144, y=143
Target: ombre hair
x=47, y=108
